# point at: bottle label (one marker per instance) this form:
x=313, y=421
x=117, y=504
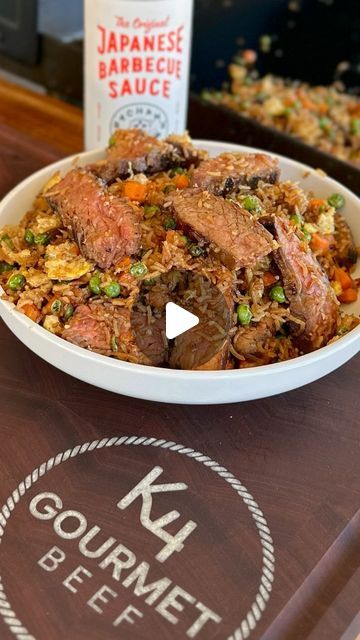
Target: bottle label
x=137, y=56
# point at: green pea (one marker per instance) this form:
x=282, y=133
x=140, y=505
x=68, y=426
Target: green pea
x=176, y=171
x=244, y=314
x=324, y=123
x=69, y=311
x=150, y=210
x=306, y=234
x=16, y=281
x=29, y=236
x=150, y=282
x=296, y=219
x=112, y=141
x=355, y=126
x=195, y=250
x=336, y=200
x=7, y=240
x=170, y=223
x=4, y=267
x=112, y=290
x=114, y=344
x=42, y=238
x=248, y=81
x=251, y=203
x=95, y=284
x=288, y=111
x=138, y=270
x=56, y=307
x=168, y=188
x=277, y=294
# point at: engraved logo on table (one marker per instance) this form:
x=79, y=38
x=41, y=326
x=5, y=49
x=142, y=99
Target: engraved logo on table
x=170, y=544
x=49, y=506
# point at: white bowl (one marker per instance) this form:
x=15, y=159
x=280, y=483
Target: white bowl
x=165, y=385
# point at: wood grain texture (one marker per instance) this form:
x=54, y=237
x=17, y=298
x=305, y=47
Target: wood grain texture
x=297, y=453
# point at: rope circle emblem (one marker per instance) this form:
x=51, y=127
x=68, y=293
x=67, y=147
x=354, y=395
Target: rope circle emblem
x=268, y=560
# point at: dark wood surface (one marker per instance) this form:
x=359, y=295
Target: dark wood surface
x=297, y=454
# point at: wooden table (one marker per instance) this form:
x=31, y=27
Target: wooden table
x=268, y=491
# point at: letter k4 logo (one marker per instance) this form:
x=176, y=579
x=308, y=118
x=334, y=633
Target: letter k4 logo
x=145, y=488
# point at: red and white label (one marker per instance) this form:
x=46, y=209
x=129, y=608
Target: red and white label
x=137, y=56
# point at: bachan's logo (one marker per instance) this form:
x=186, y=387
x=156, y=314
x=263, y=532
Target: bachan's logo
x=148, y=117
x=125, y=572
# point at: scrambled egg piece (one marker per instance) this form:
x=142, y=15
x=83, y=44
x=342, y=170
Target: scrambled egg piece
x=63, y=262
x=44, y=223
x=326, y=221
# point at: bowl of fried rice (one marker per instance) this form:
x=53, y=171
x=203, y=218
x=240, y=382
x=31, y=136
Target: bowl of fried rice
x=93, y=247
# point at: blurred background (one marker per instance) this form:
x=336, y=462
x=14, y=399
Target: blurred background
x=313, y=40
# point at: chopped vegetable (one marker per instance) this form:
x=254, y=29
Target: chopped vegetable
x=138, y=270
x=95, y=284
x=277, y=294
x=350, y=295
x=296, y=219
x=135, y=190
x=337, y=287
x=181, y=181
x=195, y=250
x=251, y=203
x=112, y=290
x=7, y=240
x=56, y=307
x=316, y=203
x=4, y=267
x=244, y=314
x=176, y=171
x=114, y=344
x=355, y=126
x=150, y=210
x=69, y=311
x=268, y=278
x=170, y=223
x=16, y=281
x=31, y=311
x=168, y=188
x=112, y=141
x=29, y=236
x=42, y=238
x=336, y=200
x=343, y=277
x=150, y=282
x=306, y=234
x=319, y=244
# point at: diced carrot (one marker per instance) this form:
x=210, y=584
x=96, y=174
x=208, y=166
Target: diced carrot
x=315, y=203
x=323, y=107
x=31, y=311
x=135, y=190
x=268, y=278
x=306, y=102
x=343, y=277
x=181, y=181
x=349, y=295
x=47, y=308
x=319, y=244
x=123, y=263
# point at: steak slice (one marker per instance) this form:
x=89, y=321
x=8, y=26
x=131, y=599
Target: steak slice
x=307, y=287
x=234, y=235
x=250, y=341
x=105, y=226
x=106, y=329
x=346, y=251
x=134, y=151
x=229, y=171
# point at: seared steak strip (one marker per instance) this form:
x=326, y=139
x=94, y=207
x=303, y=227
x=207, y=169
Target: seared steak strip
x=230, y=171
x=234, y=235
x=307, y=287
x=250, y=341
x=105, y=226
x=133, y=151
x=107, y=329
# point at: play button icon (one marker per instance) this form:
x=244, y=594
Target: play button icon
x=181, y=320
x=178, y=320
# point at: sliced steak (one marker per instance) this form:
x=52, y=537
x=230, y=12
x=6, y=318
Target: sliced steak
x=234, y=235
x=345, y=247
x=105, y=226
x=230, y=171
x=250, y=341
x=307, y=287
x=134, y=151
x=107, y=329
